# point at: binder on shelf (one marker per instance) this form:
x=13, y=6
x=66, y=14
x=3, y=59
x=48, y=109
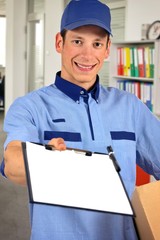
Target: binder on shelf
x=120, y=59
x=148, y=95
x=136, y=72
x=76, y=179
x=132, y=65
x=147, y=61
x=141, y=67
x=120, y=84
x=151, y=57
x=137, y=90
x=141, y=176
x=127, y=66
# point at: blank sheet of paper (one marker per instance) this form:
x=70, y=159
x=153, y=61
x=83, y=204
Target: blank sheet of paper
x=72, y=179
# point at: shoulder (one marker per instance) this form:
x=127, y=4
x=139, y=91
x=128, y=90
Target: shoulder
x=116, y=94
x=35, y=95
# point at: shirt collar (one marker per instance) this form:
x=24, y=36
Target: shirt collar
x=73, y=91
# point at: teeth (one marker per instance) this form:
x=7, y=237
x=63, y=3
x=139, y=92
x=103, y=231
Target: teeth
x=84, y=67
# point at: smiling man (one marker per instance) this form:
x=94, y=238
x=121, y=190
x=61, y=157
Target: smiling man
x=87, y=46
x=77, y=112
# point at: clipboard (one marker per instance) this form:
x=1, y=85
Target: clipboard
x=74, y=178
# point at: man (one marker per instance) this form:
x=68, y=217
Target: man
x=76, y=111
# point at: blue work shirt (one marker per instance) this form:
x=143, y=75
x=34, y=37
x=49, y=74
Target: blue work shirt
x=92, y=121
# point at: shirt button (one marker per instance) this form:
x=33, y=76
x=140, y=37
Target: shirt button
x=81, y=92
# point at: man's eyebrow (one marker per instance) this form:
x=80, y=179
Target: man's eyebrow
x=99, y=38
x=76, y=36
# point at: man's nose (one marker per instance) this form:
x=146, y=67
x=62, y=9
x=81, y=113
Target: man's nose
x=87, y=51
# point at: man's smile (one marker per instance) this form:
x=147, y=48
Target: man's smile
x=85, y=67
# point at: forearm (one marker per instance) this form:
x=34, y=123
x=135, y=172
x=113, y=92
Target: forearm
x=14, y=163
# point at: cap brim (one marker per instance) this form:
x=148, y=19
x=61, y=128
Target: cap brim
x=87, y=22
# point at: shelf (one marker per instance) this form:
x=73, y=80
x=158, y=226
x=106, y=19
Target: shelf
x=135, y=42
x=134, y=78
x=153, y=76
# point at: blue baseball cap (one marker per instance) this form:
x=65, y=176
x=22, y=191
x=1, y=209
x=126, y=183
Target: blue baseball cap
x=86, y=12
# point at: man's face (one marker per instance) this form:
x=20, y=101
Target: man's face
x=83, y=53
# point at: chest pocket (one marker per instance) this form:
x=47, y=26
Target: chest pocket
x=67, y=136
x=122, y=135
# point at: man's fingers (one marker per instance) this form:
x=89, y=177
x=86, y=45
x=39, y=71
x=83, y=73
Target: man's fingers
x=58, y=143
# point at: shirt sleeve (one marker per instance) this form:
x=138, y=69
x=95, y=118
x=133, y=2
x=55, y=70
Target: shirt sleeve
x=19, y=123
x=148, y=141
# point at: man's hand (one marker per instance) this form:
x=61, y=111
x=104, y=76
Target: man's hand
x=14, y=162
x=58, y=143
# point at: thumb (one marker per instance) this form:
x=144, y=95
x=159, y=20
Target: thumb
x=58, y=143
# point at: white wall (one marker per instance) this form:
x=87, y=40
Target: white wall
x=16, y=12
x=15, y=50
x=53, y=10
x=139, y=12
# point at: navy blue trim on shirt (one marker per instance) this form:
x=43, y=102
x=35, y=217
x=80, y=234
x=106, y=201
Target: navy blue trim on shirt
x=2, y=168
x=58, y=120
x=67, y=136
x=123, y=135
x=74, y=91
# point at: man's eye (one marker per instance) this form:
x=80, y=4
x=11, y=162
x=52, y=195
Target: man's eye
x=77, y=42
x=97, y=45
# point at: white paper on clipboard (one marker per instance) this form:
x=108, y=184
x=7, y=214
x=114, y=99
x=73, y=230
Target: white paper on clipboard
x=72, y=179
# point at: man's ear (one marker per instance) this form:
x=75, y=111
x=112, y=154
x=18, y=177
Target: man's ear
x=59, y=43
x=108, y=49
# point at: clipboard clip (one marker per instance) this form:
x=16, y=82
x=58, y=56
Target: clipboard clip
x=80, y=151
x=113, y=158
